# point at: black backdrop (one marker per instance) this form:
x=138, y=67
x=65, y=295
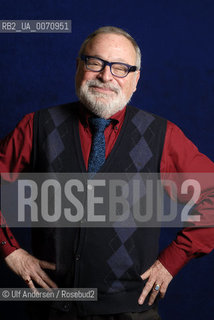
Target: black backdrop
x=177, y=82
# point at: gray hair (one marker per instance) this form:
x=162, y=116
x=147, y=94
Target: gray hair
x=110, y=29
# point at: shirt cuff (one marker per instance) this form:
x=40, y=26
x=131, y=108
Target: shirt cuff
x=174, y=258
x=5, y=250
x=8, y=243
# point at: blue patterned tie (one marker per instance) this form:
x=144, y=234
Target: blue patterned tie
x=97, y=153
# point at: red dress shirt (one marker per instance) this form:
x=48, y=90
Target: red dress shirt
x=179, y=155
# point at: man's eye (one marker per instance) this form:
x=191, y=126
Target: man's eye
x=94, y=63
x=120, y=68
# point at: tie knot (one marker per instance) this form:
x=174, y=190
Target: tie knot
x=99, y=124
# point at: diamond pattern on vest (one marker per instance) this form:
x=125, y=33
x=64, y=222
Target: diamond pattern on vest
x=53, y=150
x=53, y=145
x=116, y=286
x=142, y=123
x=58, y=116
x=121, y=261
x=140, y=154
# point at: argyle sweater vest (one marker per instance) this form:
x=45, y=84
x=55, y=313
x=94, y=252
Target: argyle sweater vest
x=109, y=259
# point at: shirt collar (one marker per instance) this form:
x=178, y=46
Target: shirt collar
x=84, y=114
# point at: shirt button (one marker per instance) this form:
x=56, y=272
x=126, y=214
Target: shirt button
x=77, y=257
x=3, y=243
x=66, y=306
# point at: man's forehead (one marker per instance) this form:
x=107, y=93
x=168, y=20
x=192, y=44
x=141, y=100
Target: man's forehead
x=113, y=39
x=117, y=44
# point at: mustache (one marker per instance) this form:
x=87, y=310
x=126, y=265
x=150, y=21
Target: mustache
x=97, y=83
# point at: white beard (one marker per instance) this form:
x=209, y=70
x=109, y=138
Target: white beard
x=101, y=104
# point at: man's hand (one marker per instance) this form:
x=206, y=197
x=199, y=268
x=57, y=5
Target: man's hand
x=30, y=269
x=157, y=274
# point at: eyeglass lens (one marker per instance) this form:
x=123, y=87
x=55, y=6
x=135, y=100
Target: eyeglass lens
x=117, y=69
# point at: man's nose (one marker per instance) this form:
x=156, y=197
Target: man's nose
x=105, y=75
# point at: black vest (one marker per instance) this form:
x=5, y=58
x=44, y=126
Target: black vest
x=108, y=259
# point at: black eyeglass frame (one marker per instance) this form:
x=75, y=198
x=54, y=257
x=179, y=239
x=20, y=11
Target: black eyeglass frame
x=106, y=63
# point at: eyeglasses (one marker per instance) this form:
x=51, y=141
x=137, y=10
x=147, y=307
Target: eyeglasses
x=118, y=69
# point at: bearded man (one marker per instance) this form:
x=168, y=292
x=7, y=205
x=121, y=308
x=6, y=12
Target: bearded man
x=125, y=267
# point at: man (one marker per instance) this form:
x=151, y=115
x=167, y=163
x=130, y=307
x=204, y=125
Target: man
x=61, y=139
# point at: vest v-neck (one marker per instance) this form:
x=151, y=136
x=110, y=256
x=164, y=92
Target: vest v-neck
x=113, y=151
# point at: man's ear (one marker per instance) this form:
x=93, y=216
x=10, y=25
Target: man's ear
x=137, y=77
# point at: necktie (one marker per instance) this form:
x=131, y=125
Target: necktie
x=97, y=153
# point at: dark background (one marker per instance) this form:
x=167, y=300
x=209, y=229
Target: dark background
x=177, y=82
